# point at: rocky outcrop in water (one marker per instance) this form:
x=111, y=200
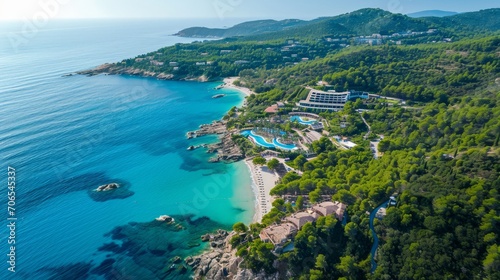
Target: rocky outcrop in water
x=226, y=149
x=216, y=127
x=117, y=190
x=107, y=187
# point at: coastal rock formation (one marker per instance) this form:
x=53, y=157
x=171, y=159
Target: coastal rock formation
x=221, y=262
x=229, y=149
x=121, y=69
x=216, y=127
x=226, y=149
x=157, y=249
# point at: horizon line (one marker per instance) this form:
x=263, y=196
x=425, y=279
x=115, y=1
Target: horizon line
x=229, y=17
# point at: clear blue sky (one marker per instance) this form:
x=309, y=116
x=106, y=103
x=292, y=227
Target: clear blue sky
x=223, y=9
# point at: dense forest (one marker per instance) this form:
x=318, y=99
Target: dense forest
x=423, y=72
x=441, y=158
x=445, y=224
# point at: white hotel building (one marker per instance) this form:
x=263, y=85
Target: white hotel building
x=330, y=100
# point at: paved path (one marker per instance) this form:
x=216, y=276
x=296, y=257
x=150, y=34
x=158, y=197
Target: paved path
x=367, y=125
x=374, y=148
x=374, y=234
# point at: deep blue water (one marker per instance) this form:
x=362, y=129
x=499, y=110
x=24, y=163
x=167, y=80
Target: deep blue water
x=65, y=136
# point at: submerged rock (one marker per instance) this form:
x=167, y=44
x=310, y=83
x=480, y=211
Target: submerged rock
x=193, y=244
x=117, y=190
x=155, y=249
x=176, y=259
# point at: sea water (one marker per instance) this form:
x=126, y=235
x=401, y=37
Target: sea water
x=66, y=135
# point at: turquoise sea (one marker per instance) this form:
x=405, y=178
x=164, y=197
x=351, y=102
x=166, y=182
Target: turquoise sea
x=65, y=136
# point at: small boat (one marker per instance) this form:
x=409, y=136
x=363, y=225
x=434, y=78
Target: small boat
x=218, y=95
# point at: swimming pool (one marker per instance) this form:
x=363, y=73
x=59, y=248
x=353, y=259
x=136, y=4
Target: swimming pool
x=259, y=140
x=283, y=146
x=301, y=121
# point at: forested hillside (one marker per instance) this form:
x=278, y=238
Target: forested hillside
x=421, y=73
x=361, y=22
x=294, y=43
x=441, y=158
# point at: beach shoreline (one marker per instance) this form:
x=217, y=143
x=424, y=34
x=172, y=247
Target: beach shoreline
x=263, y=180
x=257, y=216
x=259, y=183
x=229, y=83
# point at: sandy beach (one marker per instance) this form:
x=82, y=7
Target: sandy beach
x=263, y=180
x=229, y=83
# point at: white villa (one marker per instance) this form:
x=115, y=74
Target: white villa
x=330, y=100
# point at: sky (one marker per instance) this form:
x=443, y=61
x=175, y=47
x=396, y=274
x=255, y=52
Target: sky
x=221, y=9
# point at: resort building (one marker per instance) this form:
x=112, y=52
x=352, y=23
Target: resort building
x=284, y=232
x=300, y=219
x=382, y=212
x=278, y=234
x=273, y=109
x=330, y=208
x=330, y=100
x=345, y=142
x=156, y=63
x=317, y=126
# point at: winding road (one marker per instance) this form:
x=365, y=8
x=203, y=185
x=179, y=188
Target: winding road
x=374, y=234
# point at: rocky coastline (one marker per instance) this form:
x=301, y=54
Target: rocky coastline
x=117, y=69
x=226, y=149
x=220, y=261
